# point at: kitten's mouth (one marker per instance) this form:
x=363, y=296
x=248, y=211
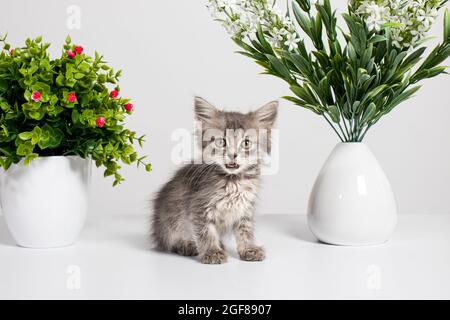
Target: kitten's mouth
x=232, y=165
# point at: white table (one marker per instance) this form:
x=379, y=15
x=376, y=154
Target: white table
x=112, y=260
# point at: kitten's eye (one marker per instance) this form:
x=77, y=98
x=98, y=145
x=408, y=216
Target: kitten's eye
x=246, y=144
x=220, y=142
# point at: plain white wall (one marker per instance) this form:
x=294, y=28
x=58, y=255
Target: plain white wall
x=171, y=50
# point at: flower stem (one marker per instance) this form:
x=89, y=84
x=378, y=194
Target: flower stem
x=361, y=136
x=334, y=128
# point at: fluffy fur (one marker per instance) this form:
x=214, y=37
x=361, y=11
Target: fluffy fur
x=203, y=202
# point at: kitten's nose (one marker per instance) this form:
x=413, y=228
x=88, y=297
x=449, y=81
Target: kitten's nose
x=232, y=156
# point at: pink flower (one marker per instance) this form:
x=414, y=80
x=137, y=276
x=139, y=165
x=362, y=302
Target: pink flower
x=128, y=107
x=70, y=54
x=100, y=122
x=71, y=97
x=78, y=49
x=11, y=52
x=36, y=96
x=114, y=94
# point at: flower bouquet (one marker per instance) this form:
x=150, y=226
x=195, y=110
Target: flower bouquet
x=352, y=77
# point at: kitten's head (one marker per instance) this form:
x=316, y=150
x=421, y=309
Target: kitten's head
x=235, y=141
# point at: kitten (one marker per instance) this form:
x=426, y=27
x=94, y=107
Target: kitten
x=205, y=201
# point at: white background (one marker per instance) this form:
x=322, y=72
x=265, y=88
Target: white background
x=172, y=50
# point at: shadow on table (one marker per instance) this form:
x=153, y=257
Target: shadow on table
x=5, y=237
x=294, y=226
x=138, y=241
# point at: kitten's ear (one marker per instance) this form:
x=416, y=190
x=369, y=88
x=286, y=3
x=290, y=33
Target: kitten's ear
x=204, y=111
x=267, y=114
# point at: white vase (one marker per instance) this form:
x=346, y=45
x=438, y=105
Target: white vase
x=352, y=202
x=45, y=203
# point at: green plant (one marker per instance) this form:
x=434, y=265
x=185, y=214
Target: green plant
x=61, y=107
x=354, y=81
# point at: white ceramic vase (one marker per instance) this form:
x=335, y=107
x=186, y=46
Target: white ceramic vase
x=352, y=202
x=45, y=203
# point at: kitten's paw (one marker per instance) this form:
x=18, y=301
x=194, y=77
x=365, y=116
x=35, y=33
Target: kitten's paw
x=214, y=257
x=186, y=248
x=252, y=253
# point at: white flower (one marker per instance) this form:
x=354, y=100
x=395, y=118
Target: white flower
x=376, y=15
x=241, y=18
x=292, y=41
x=415, y=16
x=278, y=34
x=374, y=23
x=232, y=27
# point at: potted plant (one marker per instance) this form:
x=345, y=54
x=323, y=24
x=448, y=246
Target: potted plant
x=56, y=117
x=351, y=77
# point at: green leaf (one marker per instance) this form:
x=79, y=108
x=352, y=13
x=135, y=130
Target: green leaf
x=60, y=80
x=84, y=67
x=413, y=58
x=424, y=40
x=108, y=173
x=433, y=72
x=5, y=162
x=334, y=113
x=75, y=116
x=375, y=92
x=30, y=157
x=302, y=19
x=26, y=136
x=447, y=25
x=314, y=108
x=36, y=135
x=133, y=156
x=3, y=85
x=303, y=94
x=56, y=139
x=79, y=75
x=25, y=148
x=368, y=113
x=280, y=68
x=393, y=25
x=304, y=4
x=400, y=98
x=302, y=65
x=262, y=40
x=378, y=38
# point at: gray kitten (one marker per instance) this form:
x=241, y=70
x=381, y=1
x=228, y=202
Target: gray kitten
x=205, y=201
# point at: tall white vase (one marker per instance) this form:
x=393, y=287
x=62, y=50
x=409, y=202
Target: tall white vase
x=45, y=203
x=352, y=202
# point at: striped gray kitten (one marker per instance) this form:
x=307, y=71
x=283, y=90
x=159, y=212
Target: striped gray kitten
x=205, y=201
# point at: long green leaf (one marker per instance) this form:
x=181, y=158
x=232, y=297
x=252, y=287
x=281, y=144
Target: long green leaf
x=280, y=68
x=368, y=113
x=447, y=25
x=262, y=39
x=334, y=113
x=303, y=94
x=400, y=98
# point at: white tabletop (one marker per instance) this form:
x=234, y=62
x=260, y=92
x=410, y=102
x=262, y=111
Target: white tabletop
x=113, y=260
